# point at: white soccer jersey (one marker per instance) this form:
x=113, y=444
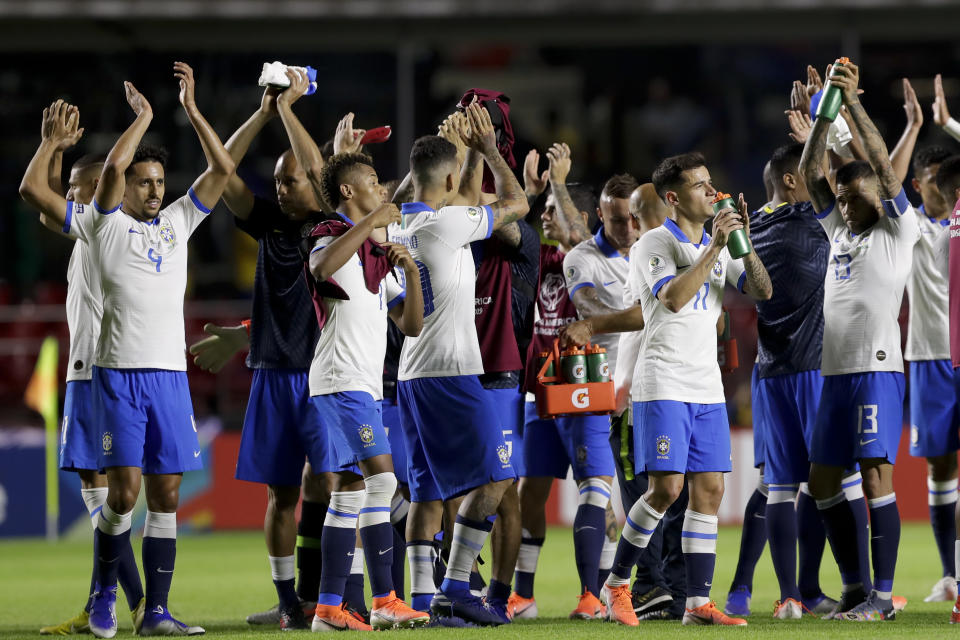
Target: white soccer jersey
x=439, y=242
x=595, y=263
x=928, y=335
x=350, y=352
x=628, y=349
x=678, y=351
x=864, y=287
x=84, y=305
x=143, y=275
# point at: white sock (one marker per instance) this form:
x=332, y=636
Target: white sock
x=282, y=568
x=94, y=499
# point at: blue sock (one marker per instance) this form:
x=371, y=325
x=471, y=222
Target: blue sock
x=337, y=545
x=113, y=534
x=309, y=553
x=527, y=564
x=782, y=534
x=353, y=590
x=753, y=537
x=159, y=556
x=589, y=532
x=699, y=542
x=812, y=539
x=282, y=570
x=93, y=573
x=128, y=575
x=421, y=601
x=376, y=533
x=642, y=522
x=398, y=568
x=838, y=520
x=885, y=525
x=498, y=591
x=942, y=498
x=862, y=526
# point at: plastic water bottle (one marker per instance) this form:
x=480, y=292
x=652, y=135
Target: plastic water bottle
x=598, y=369
x=832, y=97
x=573, y=363
x=738, y=244
x=541, y=360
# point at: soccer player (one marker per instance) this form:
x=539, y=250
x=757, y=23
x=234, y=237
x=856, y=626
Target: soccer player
x=346, y=383
x=595, y=272
x=79, y=441
x=281, y=425
x=680, y=419
x=872, y=229
x=140, y=392
x=786, y=379
x=446, y=417
x=933, y=403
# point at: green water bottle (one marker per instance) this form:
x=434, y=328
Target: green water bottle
x=832, y=98
x=738, y=244
x=573, y=363
x=598, y=369
x=550, y=370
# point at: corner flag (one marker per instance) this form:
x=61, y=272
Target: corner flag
x=41, y=396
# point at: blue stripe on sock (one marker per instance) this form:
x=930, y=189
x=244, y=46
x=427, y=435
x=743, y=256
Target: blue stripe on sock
x=96, y=511
x=342, y=514
x=330, y=599
x=605, y=494
x=940, y=493
x=637, y=527
x=468, y=543
x=852, y=483
x=697, y=534
x=375, y=510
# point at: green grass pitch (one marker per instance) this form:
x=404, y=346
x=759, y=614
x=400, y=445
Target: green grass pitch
x=222, y=577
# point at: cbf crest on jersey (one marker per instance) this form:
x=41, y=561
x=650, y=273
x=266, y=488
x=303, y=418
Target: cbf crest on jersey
x=168, y=237
x=718, y=269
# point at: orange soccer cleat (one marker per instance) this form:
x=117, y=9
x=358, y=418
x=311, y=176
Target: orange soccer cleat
x=709, y=614
x=589, y=607
x=390, y=612
x=955, y=614
x=619, y=605
x=330, y=618
x=520, y=608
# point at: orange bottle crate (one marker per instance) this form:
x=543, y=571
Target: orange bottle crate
x=562, y=398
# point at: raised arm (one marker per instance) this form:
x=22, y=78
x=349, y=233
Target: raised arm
x=305, y=150
x=847, y=77
x=325, y=262
x=757, y=285
x=408, y=315
x=456, y=130
x=35, y=188
x=110, y=189
x=941, y=115
x=559, y=159
x=511, y=202
x=237, y=196
x=903, y=152
x=220, y=166
x=811, y=165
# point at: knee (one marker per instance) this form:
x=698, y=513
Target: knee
x=163, y=499
x=664, y=491
x=942, y=468
x=317, y=486
x=381, y=487
x=510, y=502
x=282, y=499
x=124, y=499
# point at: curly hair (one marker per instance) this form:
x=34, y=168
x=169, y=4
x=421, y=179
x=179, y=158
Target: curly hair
x=148, y=153
x=335, y=172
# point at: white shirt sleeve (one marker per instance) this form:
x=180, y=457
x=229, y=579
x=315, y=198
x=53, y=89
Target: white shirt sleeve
x=902, y=218
x=78, y=222
x=830, y=219
x=459, y=226
x=578, y=270
x=188, y=210
x=393, y=288
x=656, y=260
x=736, y=273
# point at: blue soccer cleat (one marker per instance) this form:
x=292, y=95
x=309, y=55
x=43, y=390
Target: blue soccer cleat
x=103, y=613
x=159, y=622
x=464, y=605
x=738, y=602
x=498, y=607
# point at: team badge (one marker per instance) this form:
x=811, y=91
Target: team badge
x=717, y=269
x=503, y=454
x=107, y=442
x=366, y=434
x=167, y=234
x=663, y=447
x=581, y=454
x=914, y=435
x=657, y=265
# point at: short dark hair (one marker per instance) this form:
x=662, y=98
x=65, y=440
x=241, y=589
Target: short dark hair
x=669, y=173
x=620, y=186
x=334, y=173
x=148, y=153
x=929, y=156
x=785, y=159
x=854, y=171
x=428, y=154
x=89, y=160
x=948, y=178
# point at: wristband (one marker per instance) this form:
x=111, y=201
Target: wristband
x=246, y=325
x=952, y=128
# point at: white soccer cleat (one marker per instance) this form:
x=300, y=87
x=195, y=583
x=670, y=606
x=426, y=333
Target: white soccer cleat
x=789, y=609
x=945, y=590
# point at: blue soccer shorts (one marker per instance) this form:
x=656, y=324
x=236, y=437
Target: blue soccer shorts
x=554, y=445
x=788, y=409
x=934, y=413
x=509, y=405
x=79, y=431
x=681, y=436
x=354, y=421
x=145, y=419
x=282, y=429
x=391, y=423
x=860, y=416
x=453, y=437
x=759, y=420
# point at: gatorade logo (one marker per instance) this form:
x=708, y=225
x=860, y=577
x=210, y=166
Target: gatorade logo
x=580, y=398
x=604, y=370
x=579, y=371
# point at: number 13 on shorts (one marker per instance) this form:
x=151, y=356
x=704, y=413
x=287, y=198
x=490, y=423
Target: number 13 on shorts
x=867, y=422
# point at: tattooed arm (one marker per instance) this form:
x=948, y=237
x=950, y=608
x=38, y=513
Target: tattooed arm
x=559, y=158
x=811, y=166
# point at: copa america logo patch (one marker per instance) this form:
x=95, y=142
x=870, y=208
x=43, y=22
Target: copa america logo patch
x=656, y=265
x=473, y=212
x=571, y=272
x=107, y=442
x=663, y=446
x=366, y=433
x=503, y=454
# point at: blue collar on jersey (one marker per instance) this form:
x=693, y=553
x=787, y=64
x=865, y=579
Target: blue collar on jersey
x=413, y=207
x=681, y=236
x=605, y=247
x=943, y=223
x=345, y=218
